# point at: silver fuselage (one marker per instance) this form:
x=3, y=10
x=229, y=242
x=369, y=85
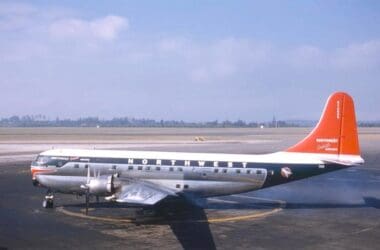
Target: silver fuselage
x=200, y=174
x=201, y=181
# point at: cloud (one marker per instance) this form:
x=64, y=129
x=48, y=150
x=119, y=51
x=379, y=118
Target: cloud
x=218, y=59
x=11, y=9
x=14, y=16
x=358, y=56
x=306, y=57
x=221, y=77
x=106, y=28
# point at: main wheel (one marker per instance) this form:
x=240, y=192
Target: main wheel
x=47, y=203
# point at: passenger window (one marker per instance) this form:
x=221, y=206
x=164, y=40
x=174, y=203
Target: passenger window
x=147, y=168
x=76, y=166
x=158, y=168
x=86, y=166
x=186, y=186
x=216, y=170
x=238, y=171
x=225, y=171
x=180, y=169
x=258, y=172
x=171, y=169
x=130, y=167
x=248, y=171
x=114, y=167
x=139, y=168
x=178, y=186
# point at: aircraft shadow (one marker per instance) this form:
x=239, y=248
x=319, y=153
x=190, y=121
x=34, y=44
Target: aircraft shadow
x=189, y=224
x=188, y=221
x=368, y=202
x=372, y=202
x=181, y=207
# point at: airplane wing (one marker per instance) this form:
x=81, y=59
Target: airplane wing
x=139, y=192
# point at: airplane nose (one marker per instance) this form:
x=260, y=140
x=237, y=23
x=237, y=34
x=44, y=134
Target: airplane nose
x=33, y=172
x=34, y=180
x=37, y=170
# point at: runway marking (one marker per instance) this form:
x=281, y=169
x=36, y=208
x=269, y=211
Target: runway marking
x=83, y=216
x=364, y=230
x=224, y=201
x=352, y=170
x=245, y=217
x=251, y=216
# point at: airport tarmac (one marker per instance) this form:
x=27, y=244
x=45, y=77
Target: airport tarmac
x=339, y=210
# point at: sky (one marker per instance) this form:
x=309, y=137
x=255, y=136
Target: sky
x=188, y=60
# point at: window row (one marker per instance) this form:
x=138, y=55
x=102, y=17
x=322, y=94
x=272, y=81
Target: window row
x=171, y=169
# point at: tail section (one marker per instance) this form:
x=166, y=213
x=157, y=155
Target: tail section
x=336, y=131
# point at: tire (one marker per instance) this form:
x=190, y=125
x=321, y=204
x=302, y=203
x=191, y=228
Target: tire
x=44, y=203
x=47, y=203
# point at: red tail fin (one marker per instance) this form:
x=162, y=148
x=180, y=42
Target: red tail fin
x=336, y=131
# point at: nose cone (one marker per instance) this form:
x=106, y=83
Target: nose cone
x=38, y=170
x=34, y=171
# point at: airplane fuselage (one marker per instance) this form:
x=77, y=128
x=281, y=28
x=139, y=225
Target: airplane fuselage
x=200, y=174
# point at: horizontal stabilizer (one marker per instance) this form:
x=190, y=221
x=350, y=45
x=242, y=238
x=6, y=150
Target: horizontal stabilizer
x=346, y=162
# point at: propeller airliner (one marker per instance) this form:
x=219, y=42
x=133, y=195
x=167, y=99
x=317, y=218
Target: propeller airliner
x=146, y=178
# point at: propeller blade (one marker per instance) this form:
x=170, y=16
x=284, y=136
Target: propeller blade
x=88, y=174
x=87, y=200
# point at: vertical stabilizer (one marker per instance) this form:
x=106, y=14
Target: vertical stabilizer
x=336, y=131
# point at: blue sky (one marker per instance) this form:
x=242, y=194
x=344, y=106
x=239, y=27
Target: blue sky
x=190, y=60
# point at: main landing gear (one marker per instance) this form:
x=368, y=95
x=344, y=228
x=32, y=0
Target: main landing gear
x=48, y=200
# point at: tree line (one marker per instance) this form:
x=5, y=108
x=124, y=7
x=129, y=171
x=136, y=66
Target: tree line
x=43, y=121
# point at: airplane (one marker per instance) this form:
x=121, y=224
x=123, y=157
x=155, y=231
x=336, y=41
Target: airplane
x=148, y=177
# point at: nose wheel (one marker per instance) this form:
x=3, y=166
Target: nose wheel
x=48, y=201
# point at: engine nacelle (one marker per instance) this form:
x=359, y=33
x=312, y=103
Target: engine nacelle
x=102, y=185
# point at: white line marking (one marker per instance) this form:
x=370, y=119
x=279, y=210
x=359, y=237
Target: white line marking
x=225, y=201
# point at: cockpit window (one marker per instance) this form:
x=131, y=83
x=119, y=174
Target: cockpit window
x=42, y=159
x=50, y=161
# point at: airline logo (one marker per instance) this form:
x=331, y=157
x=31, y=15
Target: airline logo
x=327, y=144
x=286, y=172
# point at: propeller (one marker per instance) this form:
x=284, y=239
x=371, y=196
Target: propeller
x=89, y=184
x=87, y=189
x=87, y=200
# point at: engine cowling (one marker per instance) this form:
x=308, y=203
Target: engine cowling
x=102, y=185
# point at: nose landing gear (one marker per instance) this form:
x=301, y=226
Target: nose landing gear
x=48, y=200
